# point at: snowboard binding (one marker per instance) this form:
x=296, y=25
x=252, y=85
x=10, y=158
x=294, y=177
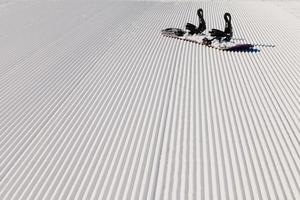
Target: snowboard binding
x=227, y=33
x=202, y=25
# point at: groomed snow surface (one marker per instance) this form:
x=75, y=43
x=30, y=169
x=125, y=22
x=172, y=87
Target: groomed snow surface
x=96, y=104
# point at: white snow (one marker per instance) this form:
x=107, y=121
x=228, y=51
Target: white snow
x=96, y=104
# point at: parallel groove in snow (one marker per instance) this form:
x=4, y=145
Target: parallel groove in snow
x=38, y=109
x=113, y=110
x=43, y=33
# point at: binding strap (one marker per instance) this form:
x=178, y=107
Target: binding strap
x=202, y=26
x=227, y=33
x=228, y=26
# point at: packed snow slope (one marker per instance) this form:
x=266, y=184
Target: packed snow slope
x=96, y=104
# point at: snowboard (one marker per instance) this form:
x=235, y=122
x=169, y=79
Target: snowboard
x=206, y=40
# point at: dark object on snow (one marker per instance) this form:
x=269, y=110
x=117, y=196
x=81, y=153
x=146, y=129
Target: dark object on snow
x=173, y=31
x=227, y=33
x=202, y=25
x=218, y=39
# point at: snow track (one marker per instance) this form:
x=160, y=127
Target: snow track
x=96, y=104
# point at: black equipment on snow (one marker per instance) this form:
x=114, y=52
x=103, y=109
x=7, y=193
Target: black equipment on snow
x=227, y=33
x=202, y=25
x=217, y=39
